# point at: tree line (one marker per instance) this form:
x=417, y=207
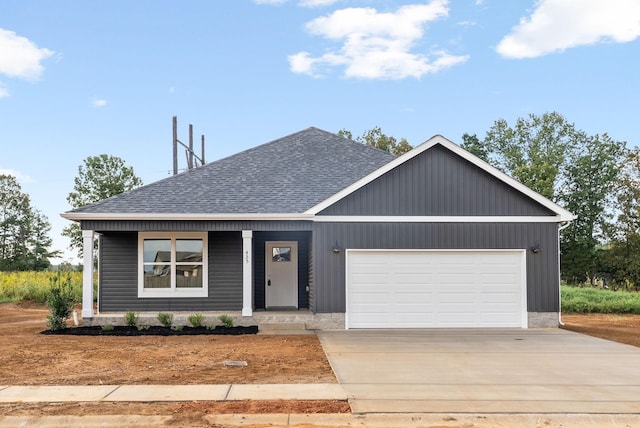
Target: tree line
x=25, y=244
x=594, y=176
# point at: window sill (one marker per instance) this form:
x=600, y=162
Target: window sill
x=170, y=294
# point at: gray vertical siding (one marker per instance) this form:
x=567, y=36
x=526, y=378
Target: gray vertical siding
x=119, y=276
x=329, y=268
x=437, y=183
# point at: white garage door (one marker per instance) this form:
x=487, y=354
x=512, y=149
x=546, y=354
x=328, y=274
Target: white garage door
x=422, y=289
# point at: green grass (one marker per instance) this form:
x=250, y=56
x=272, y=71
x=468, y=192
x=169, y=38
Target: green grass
x=595, y=300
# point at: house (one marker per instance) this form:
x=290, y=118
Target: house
x=346, y=234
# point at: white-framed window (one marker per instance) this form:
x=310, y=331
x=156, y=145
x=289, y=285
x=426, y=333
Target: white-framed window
x=172, y=264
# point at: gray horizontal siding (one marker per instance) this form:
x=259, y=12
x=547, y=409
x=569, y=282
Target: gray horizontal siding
x=437, y=183
x=191, y=226
x=329, y=268
x=119, y=276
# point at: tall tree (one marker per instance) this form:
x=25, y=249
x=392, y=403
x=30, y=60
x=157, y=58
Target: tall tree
x=588, y=190
x=533, y=151
x=99, y=177
x=24, y=240
x=473, y=145
x=374, y=137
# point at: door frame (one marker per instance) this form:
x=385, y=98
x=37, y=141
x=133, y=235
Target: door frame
x=267, y=260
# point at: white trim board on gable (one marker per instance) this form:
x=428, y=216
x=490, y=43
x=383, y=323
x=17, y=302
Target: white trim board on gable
x=562, y=214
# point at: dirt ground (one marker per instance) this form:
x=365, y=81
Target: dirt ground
x=619, y=328
x=29, y=358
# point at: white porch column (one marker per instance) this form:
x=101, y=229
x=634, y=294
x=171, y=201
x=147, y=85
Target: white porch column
x=87, y=274
x=247, y=273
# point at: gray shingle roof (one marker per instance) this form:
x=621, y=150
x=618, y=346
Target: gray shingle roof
x=288, y=175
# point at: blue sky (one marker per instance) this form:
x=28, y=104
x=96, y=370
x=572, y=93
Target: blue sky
x=83, y=78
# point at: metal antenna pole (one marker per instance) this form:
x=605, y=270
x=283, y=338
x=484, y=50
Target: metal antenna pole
x=175, y=145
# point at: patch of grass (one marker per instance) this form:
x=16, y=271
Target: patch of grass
x=595, y=300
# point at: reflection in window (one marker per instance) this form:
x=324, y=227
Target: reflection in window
x=281, y=254
x=172, y=263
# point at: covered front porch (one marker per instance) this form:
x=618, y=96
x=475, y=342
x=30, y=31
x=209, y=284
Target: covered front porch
x=263, y=269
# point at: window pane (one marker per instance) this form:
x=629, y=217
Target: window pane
x=157, y=250
x=282, y=254
x=189, y=250
x=188, y=276
x=157, y=276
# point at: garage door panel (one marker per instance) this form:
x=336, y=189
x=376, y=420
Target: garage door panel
x=402, y=289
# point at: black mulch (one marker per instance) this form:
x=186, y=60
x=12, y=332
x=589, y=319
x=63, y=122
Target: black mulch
x=152, y=331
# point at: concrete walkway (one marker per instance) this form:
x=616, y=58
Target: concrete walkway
x=484, y=371
x=159, y=393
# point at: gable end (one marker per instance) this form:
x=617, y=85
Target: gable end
x=437, y=182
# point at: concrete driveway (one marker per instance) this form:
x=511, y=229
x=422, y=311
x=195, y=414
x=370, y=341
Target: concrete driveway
x=483, y=371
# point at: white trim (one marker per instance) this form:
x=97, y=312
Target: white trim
x=173, y=291
x=563, y=214
x=524, y=320
x=176, y=216
x=87, y=274
x=247, y=273
x=436, y=219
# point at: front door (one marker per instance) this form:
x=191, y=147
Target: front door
x=281, y=274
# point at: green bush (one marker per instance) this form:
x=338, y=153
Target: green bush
x=226, y=320
x=60, y=301
x=177, y=327
x=196, y=320
x=143, y=327
x=165, y=318
x=107, y=327
x=131, y=319
x=596, y=300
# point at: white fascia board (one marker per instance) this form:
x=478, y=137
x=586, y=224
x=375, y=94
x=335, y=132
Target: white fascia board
x=563, y=214
x=437, y=219
x=175, y=216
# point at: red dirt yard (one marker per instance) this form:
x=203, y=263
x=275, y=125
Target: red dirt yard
x=29, y=358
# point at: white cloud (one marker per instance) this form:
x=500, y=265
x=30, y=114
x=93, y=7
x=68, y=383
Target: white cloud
x=18, y=175
x=376, y=45
x=20, y=57
x=98, y=102
x=556, y=25
x=3, y=91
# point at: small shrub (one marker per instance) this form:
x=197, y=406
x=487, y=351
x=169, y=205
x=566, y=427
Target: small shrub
x=226, y=320
x=131, y=319
x=107, y=327
x=177, y=327
x=166, y=319
x=60, y=302
x=142, y=327
x=196, y=320
x=211, y=326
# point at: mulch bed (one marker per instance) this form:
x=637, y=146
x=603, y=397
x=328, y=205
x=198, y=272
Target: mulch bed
x=153, y=331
